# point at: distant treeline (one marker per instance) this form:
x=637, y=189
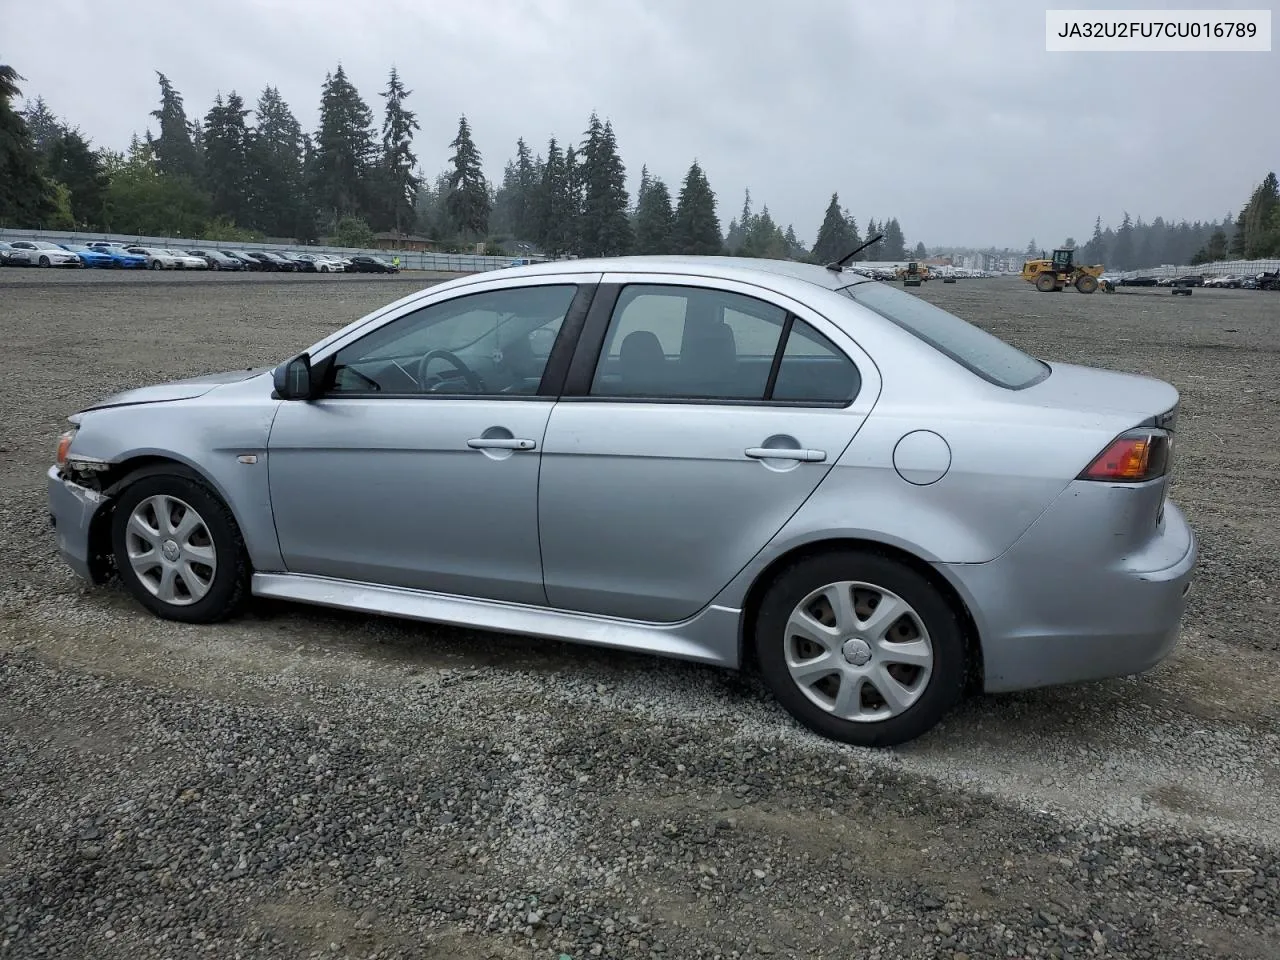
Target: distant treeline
x=229, y=177
x=1253, y=234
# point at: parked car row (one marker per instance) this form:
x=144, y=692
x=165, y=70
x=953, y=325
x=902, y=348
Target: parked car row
x=1232, y=282
x=102, y=253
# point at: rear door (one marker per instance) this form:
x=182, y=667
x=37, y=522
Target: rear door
x=697, y=417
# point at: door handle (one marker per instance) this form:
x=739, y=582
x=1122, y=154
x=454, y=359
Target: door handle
x=785, y=453
x=500, y=443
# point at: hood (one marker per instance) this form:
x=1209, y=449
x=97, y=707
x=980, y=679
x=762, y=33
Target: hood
x=177, y=389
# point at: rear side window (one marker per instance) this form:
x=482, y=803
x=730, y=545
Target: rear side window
x=972, y=347
x=814, y=370
x=694, y=343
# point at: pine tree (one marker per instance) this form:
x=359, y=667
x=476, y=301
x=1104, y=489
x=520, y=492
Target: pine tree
x=226, y=162
x=277, y=204
x=764, y=239
x=874, y=251
x=833, y=240
x=581, y=167
x=502, y=216
x=855, y=240
x=1258, y=215
x=735, y=238
x=26, y=197
x=697, y=228
x=794, y=248
x=468, y=203
x=526, y=182
x=344, y=149
x=43, y=127
x=655, y=220
x=920, y=252
x=554, y=205
x=432, y=209
x=895, y=245
x=645, y=183
x=1093, y=251
x=1033, y=250
x=603, y=227
x=574, y=179
x=398, y=160
x=1123, y=252
x=71, y=161
x=175, y=149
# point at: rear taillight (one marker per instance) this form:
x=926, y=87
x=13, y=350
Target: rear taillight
x=1132, y=457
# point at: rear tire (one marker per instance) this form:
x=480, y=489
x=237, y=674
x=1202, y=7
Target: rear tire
x=179, y=550
x=1046, y=283
x=892, y=677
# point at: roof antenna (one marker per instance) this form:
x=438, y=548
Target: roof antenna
x=838, y=265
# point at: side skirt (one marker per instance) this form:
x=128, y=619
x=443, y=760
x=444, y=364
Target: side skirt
x=710, y=636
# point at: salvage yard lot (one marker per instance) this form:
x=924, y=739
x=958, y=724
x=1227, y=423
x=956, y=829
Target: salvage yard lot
x=301, y=783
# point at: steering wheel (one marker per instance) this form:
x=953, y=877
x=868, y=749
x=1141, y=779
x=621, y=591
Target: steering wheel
x=473, y=381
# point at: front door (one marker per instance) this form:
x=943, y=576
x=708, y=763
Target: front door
x=418, y=466
x=710, y=415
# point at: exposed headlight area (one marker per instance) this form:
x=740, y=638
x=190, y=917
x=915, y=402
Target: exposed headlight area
x=78, y=468
x=64, y=446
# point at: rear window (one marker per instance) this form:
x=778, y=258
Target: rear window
x=972, y=347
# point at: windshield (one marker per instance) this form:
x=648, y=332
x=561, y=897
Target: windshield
x=972, y=347
x=46, y=245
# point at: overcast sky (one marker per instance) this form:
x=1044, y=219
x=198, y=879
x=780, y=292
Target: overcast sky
x=949, y=116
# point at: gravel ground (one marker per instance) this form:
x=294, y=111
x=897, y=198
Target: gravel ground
x=303, y=783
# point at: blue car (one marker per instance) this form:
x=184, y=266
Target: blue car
x=89, y=256
x=119, y=256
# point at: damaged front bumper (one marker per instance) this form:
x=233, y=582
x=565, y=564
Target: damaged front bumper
x=72, y=512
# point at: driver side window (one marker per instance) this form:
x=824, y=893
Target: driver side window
x=481, y=344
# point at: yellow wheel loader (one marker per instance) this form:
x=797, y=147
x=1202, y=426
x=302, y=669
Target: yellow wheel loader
x=1060, y=272
x=913, y=274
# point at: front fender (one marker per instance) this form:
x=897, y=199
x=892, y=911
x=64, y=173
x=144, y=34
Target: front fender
x=208, y=435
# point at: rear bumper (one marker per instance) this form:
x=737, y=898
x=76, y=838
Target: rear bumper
x=1046, y=617
x=71, y=511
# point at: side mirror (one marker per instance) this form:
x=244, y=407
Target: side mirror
x=293, y=378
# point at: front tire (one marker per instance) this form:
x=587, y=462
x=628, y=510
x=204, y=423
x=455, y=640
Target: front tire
x=179, y=550
x=44, y=262
x=860, y=648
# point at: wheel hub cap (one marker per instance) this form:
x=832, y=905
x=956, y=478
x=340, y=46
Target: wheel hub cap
x=170, y=550
x=856, y=652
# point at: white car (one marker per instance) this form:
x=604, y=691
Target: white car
x=157, y=259
x=322, y=263
x=187, y=261
x=336, y=263
x=41, y=253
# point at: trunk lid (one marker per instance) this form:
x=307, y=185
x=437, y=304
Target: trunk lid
x=1128, y=400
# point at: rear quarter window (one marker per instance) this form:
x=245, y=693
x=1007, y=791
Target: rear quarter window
x=972, y=347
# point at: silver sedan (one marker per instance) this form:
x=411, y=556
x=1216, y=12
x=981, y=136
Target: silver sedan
x=746, y=463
